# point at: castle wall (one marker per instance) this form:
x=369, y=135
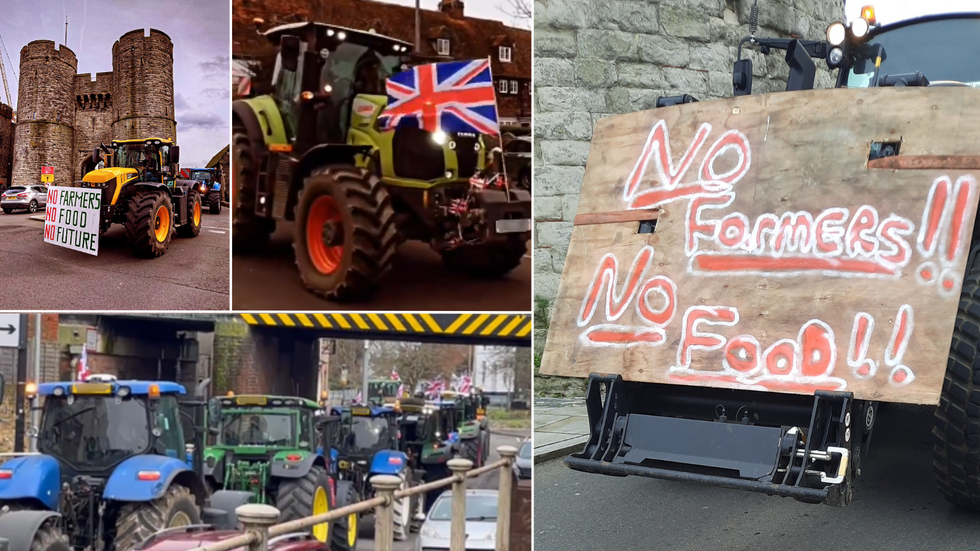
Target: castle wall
x=6, y=144
x=143, y=98
x=93, y=117
x=44, y=134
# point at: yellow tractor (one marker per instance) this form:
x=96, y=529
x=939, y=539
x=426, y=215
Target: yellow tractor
x=141, y=190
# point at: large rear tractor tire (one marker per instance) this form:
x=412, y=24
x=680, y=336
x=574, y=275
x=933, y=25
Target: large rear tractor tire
x=956, y=455
x=193, y=226
x=345, y=233
x=343, y=535
x=402, y=513
x=140, y=520
x=214, y=202
x=149, y=223
x=307, y=496
x=488, y=261
x=472, y=449
x=249, y=233
x=50, y=538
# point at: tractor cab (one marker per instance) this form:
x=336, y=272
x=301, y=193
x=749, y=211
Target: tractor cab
x=327, y=78
x=364, y=431
x=253, y=423
x=383, y=391
x=122, y=161
x=429, y=429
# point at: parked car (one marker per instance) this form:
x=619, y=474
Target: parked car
x=28, y=198
x=481, y=521
x=522, y=465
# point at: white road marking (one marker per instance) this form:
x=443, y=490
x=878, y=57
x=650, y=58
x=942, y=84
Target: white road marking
x=213, y=231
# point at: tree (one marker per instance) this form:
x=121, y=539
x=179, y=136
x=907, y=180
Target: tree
x=519, y=9
x=416, y=362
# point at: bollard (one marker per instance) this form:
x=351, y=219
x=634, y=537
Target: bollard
x=457, y=528
x=258, y=518
x=503, y=497
x=384, y=534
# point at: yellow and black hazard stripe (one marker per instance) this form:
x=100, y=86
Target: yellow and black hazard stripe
x=442, y=327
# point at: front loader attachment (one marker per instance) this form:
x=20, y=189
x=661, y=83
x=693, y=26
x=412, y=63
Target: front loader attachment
x=787, y=445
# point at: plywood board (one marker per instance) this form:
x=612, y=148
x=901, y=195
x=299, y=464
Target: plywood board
x=780, y=261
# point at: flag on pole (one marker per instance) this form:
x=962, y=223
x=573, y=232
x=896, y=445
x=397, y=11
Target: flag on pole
x=434, y=388
x=83, y=371
x=456, y=96
x=359, y=397
x=394, y=375
x=465, y=385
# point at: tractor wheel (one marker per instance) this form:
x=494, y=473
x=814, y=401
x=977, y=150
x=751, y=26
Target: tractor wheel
x=402, y=513
x=140, y=520
x=956, y=455
x=471, y=449
x=345, y=233
x=193, y=226
x=307, y=496
x=249, y=233
x=49, y=538
x=343, y=536
x=149, y=223
x=214, y=202
x=486, y=261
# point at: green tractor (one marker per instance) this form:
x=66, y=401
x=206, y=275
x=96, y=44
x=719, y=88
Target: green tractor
x=381, y=391
x=272, y=446
x=474, y=434
x=313, y=152
x=429, y=438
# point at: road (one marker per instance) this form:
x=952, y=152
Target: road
x=417, y=281
x=896, y=506
x=486, y=481
x=192, y=275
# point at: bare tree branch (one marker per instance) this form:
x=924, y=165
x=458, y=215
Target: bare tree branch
x=519, y=9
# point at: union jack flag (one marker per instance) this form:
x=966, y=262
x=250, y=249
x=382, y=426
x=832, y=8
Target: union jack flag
x=394, y=375
x=434, y=388
x=457, y=96
x=463, y=384
x=83, y=371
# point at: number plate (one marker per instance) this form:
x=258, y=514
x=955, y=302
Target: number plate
x=514, y=226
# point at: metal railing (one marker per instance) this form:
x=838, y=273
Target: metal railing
x=259, y=521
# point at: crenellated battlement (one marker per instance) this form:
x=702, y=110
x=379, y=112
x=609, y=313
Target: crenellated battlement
x=45, y=50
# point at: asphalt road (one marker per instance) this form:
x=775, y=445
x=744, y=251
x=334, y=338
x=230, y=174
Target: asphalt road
x=896, y=506
x=486, y=481
x=192, y=275
x=417, y=281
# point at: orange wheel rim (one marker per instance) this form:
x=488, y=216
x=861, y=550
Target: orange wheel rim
x=324, y=217
x=197, y=213
x=162, y=224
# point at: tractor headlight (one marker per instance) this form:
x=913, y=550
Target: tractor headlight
x=476, y=146
x=859, y=27
x=835, y=57
x=836, y=34
x=440, y=137
x=449, y=174
x=341, y=35
x=452, y=144
x=58, y=391
x=123, y=391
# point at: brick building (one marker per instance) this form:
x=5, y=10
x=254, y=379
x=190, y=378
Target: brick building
x=446, y=34
x=63, y=116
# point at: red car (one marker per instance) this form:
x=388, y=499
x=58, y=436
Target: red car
x=189, y=537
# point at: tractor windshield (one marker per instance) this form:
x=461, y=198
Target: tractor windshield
x=94, y=432
x=257, y=429
x=150, y=160
x=203, y=175
x=369, y=433
x=942, y=50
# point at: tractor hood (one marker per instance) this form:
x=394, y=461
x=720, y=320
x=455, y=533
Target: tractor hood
x=105, y=174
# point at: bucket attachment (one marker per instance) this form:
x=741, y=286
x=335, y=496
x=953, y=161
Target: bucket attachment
x=683, y=433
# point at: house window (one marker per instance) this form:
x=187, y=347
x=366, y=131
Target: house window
x=505, y=53
x=442, y=46
x=513, y=87
x=502, y=86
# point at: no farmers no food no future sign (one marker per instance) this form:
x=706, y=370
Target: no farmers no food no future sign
x=71, y=218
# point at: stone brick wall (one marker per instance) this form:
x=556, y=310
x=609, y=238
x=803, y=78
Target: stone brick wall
x=594, y=58
x=93, y=117
x=143, y=102
x=45, y=113
x=6, y=144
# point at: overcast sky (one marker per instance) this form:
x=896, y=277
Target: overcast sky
x=200, y=30
x=484, y=9
x=891, y=11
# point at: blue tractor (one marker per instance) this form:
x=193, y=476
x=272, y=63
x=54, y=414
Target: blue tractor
x=113, y=468
x=212, y=186
x=365, y=442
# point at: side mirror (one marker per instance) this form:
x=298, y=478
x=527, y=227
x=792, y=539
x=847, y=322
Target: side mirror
x=742, y=77
x=175, y=154
x=95, y=156
x=289, y=52
x=214, y=413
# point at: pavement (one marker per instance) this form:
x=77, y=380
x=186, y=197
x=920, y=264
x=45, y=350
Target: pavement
x=417, y=281
x=486, y=481
x=561, y=427
x=192, y=275
x=896, y=506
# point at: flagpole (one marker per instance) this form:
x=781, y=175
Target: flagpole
x=500, y=135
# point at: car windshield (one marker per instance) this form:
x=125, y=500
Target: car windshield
x=942, y=50
x=257, y=429
x=94, y=432
x=368, y=433
x=525, y=452
x=479, y=507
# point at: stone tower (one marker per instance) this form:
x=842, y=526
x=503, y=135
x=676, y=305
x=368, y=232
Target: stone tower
x=93, y=117
x=143, y=89
x=44, y=135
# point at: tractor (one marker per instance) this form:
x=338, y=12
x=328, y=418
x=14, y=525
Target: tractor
x=366, y=444
x=429, y=438
x=212, y=187
x=269, y=446
x=112, y=468
x=140, y=190
x=381, y=391
x=474, y=434
x=313, y=152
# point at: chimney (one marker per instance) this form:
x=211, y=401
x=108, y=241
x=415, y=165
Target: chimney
x=453, y=7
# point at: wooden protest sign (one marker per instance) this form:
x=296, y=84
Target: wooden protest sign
x=71, y=218
x=782, y=259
